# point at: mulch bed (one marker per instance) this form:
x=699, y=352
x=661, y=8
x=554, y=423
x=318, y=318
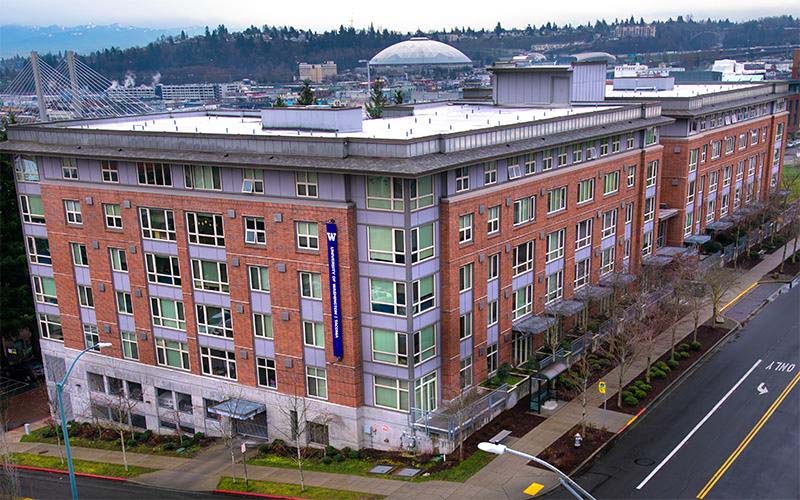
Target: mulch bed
x=24, y=408
x=563, y=453
x=707, y=335
x=789, y=269
x=568, y=394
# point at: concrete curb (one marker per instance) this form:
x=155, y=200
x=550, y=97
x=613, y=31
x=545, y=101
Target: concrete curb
x=77, y=474
x=250, y=494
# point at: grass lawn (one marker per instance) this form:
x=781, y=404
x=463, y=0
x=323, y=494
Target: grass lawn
x=99, y=468
x=293, y=490
x=792, y=170
x=511, y=380
x=38, y=436
x=463, y=471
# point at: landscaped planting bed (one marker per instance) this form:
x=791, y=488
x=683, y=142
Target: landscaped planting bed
x=82, y=466
x=287, y=490
x=563, y=454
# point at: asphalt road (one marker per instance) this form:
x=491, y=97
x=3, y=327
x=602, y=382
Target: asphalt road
x=46, y=486
x=684, y=442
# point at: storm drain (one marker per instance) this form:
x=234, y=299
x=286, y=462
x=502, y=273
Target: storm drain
x=644, y=462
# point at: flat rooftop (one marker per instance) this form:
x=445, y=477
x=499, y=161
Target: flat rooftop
x=427, y=121
x=679, y=90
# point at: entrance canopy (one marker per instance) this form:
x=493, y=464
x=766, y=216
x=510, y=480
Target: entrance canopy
x=697, y=239
x=533, y=324
x=238, y=408
x=617, y=279
x=592, y=292
x=719, y=225
x=564, y=307
x=553, y=370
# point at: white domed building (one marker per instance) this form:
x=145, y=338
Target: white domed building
x=420, y=51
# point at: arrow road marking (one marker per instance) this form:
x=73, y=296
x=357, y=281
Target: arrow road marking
x=762, y=389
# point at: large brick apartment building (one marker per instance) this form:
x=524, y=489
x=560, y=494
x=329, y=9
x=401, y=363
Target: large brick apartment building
x=373, y=268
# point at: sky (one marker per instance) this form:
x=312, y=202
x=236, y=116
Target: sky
x=402, y=15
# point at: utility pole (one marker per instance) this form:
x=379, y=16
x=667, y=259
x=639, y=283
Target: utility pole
x=37, y=80
x=73, y=84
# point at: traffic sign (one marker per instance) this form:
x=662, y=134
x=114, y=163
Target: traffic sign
x=601, y=387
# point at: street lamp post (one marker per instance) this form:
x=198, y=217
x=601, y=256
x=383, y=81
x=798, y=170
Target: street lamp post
x=565, y=480
x=59, y=391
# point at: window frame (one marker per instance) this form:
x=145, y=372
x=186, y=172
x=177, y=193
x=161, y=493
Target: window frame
x=113, y=220
x=551, y=197
x=313, y=286
x=206, y=284
x=195, y=177
x=308, y=240
x=109, y=171
x=256, y=278
x=154, y=272
x=207, y=357
x=158, y=319
x=72, y=211
x=306, y=184
x=553, y=254
x=465, y=225
x=253, y=234
x=168, y=233
x=197, y=221
x=154, y=174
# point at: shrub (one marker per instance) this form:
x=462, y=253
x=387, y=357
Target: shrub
x=630, y=401
x=658, y=373
x=639, y=384
x=130, y=443
x=354, y=454
x=169, y=446
x=503, y=371
x=695, y=345
x=346, y=451
x=684, y=354
x=646, y=387
x=264, y=449
x=640, y=394
x=683, y=347
x=626, y=394
x=673, y=363
x=327, y=460
x=339, y=457
x=330, y=450
x=663, y=366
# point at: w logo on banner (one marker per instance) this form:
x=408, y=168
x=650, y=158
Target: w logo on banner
x=333, y=279
x=331, y=236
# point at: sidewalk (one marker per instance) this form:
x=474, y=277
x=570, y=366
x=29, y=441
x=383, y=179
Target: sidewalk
x=504, y=477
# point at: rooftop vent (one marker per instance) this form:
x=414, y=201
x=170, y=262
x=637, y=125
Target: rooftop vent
x=322, y=118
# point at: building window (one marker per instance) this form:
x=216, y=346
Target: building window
x=523, y=258
x=611, y=183
x=530, y=163
x=391, y=393
x=210, y=276
x=316, y=382
x=85, y=296
x=604, y=147
x=723, y=208
x=547, y=160
x=421, y=192
x=91, y=337
x=465, y=326
x=252, y=181
x=255, y=231
x=737, y=197
x=726, y=176
x=307, y=236
x=423, y=294
x=73, y=211
x=652, y=173
x=561, y=159
x=32, y=209
x=124, y=303
x=154, y=174
x=262, y=325
x=577, y=153
x=163, y=269
x=629, y=141
x=385, y=193
x=310, y=285
x=754, y=137
x=631, y=175
x=693, y=156
x=687, y=226
x=711, y=207
x=172, y=354
x=555, y=245
x=465, y=278
x=44, y=290
x=556, y=200
x=79, y=255
x=306, y=184
x=729, y=144
x=39, y=251
x=647, y=243
x=609, y=223
x=649, y=209
x=524, y=210
x=582, y=273
x=712, y=181
x=523, y=301
x=489, y=173
x=422, y=246
x=615, y=143
x=703, y=153
x=26, y=169
x=168, y=313
x=389, y=347
x=554, y=284
x=130, y=346
x=607, y=260
x=426, y=392
x=69, y=168
x=386, y=245
x=493, y=267
x=585, y=190
x=113, y=217
x=462, y=179
x=424, y=344
x=109, y=171
x=690, y=191
x=388, y=297
x=267, y=372
x=740, y=170
x=259, y=278
x=492, y=312
x=218, y=363
x=583, y=234
x=205, y=229
x=492, y=359
x=202, y=177
x=716, y=149
x=313, y=334
x=493, y=220
x=465, y=373
x=650, y=136
x=50, y=326
x=157, y=224
x=465, y=228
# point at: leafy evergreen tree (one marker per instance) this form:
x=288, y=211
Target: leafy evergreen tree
x=377, y=101
x=280, y=102
x=398, y=96
x=306, y=95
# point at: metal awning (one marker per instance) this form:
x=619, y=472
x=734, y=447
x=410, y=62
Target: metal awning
x=670, y=251
x=666, y=213
x=697, y=239
x=593, y=292
x=719, y=225
x=553, y=370
x=656, y=260
x=238, y=408
x=564, y=308
x=533, y=324
x=617, y=279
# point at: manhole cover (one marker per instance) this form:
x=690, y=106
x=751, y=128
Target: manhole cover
x=407, y=472
x=644, y=462
x=381, y=469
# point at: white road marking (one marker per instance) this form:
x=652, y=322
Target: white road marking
x=697, y=427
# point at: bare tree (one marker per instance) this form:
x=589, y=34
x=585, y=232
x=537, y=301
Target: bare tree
x=225, y=427
x=578, y=375
x=52, y=403
x=9, y=478
x=718, y=280
x=120, y=410
x=622, y=345
x=461, y=407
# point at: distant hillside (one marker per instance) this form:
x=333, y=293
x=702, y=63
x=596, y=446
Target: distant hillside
x=20, y=40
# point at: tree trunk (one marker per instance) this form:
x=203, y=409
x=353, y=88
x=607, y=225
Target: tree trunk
x=124, y=452
x=672, y=341
x=794, y=249
x=233, y=460
x=649, y=364
x=300, y=466
x=696, y=321
x=783, y=259
x=621, y=378
x=58, y=444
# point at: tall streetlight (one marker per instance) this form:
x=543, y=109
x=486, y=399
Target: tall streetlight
x=59, y=391
x=566, y=481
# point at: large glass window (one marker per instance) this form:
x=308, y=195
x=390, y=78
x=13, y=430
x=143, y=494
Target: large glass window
x=524, y=210
x=172, y=354
x=307, y=235
x=39, y=251
x=26, y=169
x=130, y=345
x=202, y=177
x=259, y=278
x=386, y=245
x=423, y=294
x=262, y=325
x=91, y=337
x=422, y=244
x=267, y=372
x=385, y=193
x=157, y=224
x=313, y=334
x=611, y=183
x=50, y=326
x=210, y=275
x=124, y=302
x=168, y=313
x=163, y=269
x=523, y=258
x=652, y=173
x=586, y=190
x=426, y=392
x=465, y=278
x=85, y=296
x=465, y=373
x=212, y=320
x=609, y=223
x=389, y=347
x=555, y=245
x=32, y=209
x=583, y=234
x=421, y=192
x=310, y=285
x=154, y=174
x=554, y=286
x=424, y=344
x=44, y=290
x=522, y=300
x=218, y=363
x=607, y=260
x=316, y=382
x=391, y=393
x=556, y=200
x=582, y=272
x=465, y=326
x=205, y=229
x=493, y=267
x=388, y=297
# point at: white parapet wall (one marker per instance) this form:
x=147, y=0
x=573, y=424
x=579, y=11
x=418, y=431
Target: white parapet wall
x=324, y=118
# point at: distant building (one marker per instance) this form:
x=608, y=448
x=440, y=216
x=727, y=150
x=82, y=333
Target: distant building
x=793, y=101
x=189, y=92
x=317, y=73
x=733, y=71
x=635, y=31
x=140, y=92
